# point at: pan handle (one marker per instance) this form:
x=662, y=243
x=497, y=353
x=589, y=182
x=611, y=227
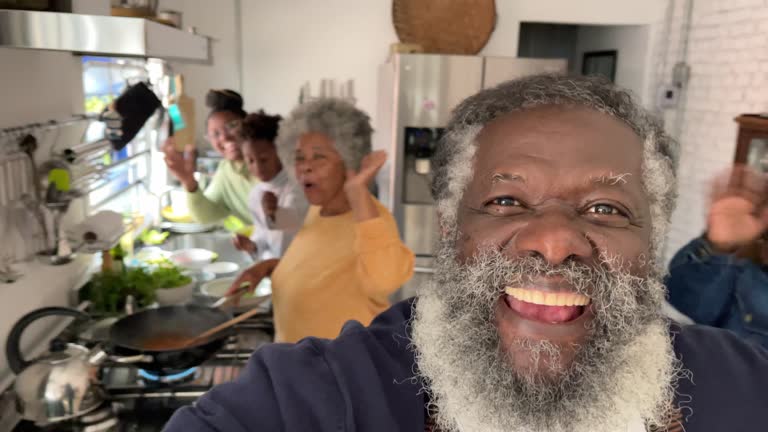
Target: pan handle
x=99, y=356
x=139, y=358
x=16, y=360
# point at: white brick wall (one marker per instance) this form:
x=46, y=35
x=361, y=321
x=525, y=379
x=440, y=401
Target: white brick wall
x=728, y=56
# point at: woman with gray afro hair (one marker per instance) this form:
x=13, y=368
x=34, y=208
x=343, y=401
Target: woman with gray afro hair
x=348, y=257
x=348, y=127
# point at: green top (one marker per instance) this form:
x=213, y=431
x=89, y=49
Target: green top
x=226, y=195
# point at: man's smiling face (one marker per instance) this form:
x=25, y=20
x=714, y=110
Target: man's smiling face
x=544, y=311
x=562, y=185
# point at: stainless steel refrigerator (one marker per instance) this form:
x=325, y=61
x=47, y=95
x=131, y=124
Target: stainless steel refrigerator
x=416, y=95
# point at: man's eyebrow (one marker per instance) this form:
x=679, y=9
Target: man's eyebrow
x=503, y=178
x=610, y=179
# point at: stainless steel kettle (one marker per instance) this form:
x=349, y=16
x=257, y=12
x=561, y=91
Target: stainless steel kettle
x=62, y=384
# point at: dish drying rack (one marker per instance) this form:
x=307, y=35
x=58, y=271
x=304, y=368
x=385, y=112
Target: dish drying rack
x=38, y=182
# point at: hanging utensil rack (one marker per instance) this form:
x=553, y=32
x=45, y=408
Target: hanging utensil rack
x=45, y=126
x=23, y=179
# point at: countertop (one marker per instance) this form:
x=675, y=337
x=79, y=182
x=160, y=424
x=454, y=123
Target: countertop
x=219, y=241
x=44, y=285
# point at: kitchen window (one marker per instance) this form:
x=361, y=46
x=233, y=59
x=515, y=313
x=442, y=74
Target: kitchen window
x=124, y=185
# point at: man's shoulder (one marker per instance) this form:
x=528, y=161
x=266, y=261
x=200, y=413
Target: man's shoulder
x=388, y=333
x=724, y=379
x=705, y=346
x=364, y=367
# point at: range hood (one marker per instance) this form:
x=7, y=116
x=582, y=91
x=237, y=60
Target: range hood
x=99, y=35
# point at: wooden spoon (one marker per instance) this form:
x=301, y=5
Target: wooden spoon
x=230, y=323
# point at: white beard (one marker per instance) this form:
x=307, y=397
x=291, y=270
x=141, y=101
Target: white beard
x=472, y=388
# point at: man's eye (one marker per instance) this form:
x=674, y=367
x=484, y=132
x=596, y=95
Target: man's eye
x=505, y=202
x=605, y=210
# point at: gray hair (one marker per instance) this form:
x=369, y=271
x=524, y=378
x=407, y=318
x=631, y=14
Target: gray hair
x=348, y=127
x=454, y=156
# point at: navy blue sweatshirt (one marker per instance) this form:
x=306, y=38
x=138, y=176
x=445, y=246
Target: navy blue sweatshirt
x=364, y=381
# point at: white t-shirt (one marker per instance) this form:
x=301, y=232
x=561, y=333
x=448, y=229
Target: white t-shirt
x=273, y=237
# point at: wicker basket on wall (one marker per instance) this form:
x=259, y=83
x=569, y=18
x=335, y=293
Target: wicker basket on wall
x=445, y=26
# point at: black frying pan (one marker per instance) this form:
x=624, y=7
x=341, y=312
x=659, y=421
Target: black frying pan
x=139, y=334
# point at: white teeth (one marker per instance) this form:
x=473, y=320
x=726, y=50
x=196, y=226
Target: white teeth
x=538, y=297
x=548, y=298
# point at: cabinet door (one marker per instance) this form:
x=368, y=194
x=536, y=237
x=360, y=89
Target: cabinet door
x=432, y=85
x=500, y=69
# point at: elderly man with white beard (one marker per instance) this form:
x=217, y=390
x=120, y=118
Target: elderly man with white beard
x=554, y=195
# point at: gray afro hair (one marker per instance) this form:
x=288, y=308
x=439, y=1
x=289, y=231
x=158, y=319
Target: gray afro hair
x=453, y=160
x=348, y=127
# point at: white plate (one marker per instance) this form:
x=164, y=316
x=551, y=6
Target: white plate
x=217, y=287
x=194, y=259
x=222, y=268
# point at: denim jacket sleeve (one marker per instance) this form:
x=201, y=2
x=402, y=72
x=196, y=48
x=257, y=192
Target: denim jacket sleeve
x=703, y=284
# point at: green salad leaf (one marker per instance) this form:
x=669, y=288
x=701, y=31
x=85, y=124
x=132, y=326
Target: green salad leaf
x=108, y=290
x=169, y=277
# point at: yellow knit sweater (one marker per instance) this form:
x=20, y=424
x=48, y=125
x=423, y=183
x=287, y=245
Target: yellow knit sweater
x=336, y=270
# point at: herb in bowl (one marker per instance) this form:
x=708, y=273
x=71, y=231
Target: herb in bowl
x=166, y=276
x=108, y=290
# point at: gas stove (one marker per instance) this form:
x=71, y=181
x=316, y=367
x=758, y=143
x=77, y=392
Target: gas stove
x=140, y=401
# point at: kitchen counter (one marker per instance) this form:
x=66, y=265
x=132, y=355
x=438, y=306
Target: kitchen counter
x=43, y=285
x=219, y=241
